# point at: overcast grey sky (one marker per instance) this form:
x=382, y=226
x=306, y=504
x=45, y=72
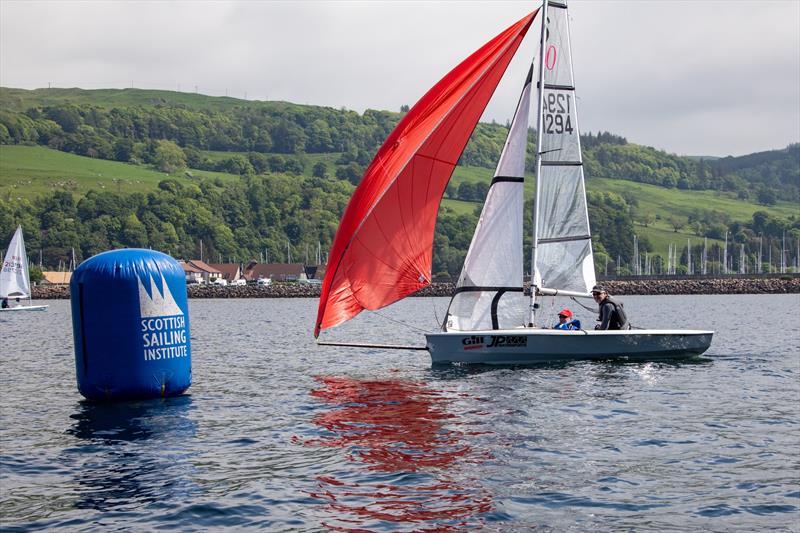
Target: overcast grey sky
x=690, y=77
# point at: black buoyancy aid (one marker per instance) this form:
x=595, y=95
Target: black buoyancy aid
x=618, y=320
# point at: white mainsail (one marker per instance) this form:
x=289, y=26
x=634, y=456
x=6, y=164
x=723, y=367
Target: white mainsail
x=562, y=253
x=14, y=282
x=489, y=290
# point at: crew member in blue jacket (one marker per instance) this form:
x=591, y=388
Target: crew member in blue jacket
x=565, y=320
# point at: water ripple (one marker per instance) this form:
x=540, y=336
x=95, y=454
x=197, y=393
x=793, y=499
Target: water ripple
x=279, y=434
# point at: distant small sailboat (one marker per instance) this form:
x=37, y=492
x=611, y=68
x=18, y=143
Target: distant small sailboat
x=14, y=277
x=383, y=247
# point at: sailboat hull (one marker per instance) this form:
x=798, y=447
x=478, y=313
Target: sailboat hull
x=530, y=346
x=25, y=308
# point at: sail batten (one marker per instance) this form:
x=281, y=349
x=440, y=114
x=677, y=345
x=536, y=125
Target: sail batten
x=398, y=197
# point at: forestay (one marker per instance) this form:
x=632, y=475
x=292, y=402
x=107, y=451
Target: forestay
x=563, y=253
x=489, y=292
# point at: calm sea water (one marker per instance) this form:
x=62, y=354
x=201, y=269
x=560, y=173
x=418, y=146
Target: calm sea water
x=279, y=434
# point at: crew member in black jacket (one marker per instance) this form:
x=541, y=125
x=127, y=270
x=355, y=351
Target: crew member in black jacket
x=612, y=314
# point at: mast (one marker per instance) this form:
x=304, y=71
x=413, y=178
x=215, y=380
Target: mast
x=689, y=269
x=759, y=267
x=539, y=137
x=561, y=250
x=783, y=253
x=725, y=255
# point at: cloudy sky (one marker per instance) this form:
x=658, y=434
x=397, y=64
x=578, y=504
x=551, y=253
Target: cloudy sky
x=696, y=77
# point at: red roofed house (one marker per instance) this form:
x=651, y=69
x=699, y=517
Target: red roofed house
x=199, y=272
x=230, y=271
x=274, y=271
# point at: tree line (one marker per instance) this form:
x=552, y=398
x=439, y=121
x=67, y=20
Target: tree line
x=273, y=136
x=274, y=203
x=240, y=221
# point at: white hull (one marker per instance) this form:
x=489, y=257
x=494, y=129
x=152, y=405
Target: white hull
x=26, y=308
x=528, y=345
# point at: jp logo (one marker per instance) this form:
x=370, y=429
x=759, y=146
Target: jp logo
x=495, y=341
x=505, y=341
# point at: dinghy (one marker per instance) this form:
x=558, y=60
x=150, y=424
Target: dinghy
x=383, y=248
x=14, y=278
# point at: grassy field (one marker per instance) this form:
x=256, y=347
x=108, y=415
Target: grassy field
x=677, y=202
x=21, y=99
x=27, y=171
x=664, y=203
x=661, y=237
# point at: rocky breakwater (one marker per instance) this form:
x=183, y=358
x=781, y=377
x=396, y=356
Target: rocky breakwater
x=691, y=285
x=276, y=290
x=770, y=284
x=50, y=292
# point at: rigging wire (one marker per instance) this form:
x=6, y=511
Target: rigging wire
x=399, y=322
x=439, y=325
x=595, y=311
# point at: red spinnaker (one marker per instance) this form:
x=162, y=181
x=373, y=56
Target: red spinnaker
x=383, y=247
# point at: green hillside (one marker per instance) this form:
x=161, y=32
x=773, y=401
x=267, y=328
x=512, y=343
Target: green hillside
x=22, y=99
x=29, y=171
x=662, y=203
x=676, y=202
x=250, y=175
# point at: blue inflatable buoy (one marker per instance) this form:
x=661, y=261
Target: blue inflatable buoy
x=130, y=320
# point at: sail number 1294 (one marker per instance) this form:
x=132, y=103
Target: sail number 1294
x=557, y=113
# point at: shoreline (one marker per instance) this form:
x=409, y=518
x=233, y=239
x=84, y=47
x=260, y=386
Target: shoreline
x=765, y=284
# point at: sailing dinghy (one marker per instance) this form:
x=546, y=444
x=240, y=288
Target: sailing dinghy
x=14, y=279
x=383, y=248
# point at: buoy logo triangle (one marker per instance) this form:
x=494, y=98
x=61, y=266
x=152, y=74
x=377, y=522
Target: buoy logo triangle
x=157, y=303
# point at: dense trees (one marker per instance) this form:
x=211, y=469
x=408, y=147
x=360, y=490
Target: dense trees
x=235, y=221
x=133, y=130
x=240, y=220
x=266, y=143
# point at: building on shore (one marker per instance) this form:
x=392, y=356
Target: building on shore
x=254, y=271
x=55, y=278
x=230, y=271
x=315, y=272
x=199, y=271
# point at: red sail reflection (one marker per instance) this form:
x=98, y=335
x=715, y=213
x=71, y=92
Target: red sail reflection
x=401, y=432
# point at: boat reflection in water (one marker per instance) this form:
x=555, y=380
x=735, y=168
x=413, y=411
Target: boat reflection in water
x=134, y=453
x=415, y=464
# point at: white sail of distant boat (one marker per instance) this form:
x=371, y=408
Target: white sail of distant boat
x=14, y=277
x=382, y=248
